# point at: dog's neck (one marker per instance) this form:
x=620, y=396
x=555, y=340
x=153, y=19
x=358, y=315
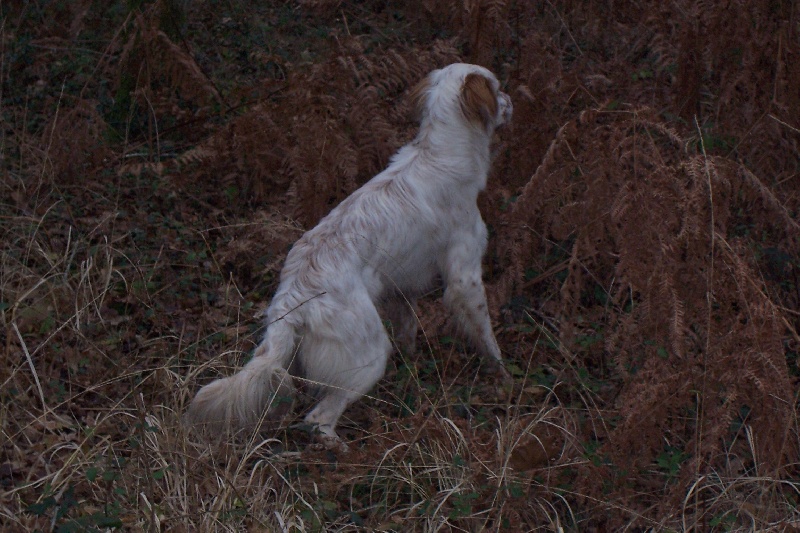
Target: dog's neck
x=462, y=152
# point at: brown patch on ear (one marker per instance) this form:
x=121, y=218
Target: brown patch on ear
x=478, y=99
x=418, y=96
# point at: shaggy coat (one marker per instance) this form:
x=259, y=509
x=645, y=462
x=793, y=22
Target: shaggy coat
x=415, y=223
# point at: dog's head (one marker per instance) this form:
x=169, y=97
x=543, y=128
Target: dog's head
x=471, y=92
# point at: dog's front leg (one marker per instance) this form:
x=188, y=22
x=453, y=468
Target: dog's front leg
x=465, y=296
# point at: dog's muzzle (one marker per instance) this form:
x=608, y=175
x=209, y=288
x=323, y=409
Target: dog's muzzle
x=506, y=109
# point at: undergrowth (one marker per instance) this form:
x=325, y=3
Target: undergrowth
x=159, y=160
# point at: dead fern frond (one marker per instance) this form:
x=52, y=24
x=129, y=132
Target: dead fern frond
x=159, y=64
x=624, y=189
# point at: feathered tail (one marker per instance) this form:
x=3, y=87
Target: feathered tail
x=261, y=390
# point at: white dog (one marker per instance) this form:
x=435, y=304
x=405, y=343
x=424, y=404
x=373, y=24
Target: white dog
x=411, y=225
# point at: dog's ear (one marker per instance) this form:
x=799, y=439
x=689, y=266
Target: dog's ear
x=418, y=98
x=478, y=100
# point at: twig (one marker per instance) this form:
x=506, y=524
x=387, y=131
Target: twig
x=297, y=307
x=779, y=121
x=709, y=304
x=563, y=23
x=553, y=270
x=30, y=364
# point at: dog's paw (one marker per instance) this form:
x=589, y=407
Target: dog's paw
x=324, y=438
x=497, y=369
x=327, y=442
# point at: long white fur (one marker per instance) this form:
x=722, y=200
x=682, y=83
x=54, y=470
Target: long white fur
x=383, y=246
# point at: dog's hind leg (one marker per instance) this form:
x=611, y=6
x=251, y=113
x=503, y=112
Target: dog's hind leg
x=344, y=362
x=325, y=415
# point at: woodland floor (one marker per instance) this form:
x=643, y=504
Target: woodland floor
x=158, y=159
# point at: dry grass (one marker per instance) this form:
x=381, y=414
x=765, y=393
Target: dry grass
x=104, y=447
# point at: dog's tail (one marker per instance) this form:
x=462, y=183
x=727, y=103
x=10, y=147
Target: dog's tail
x=261, y=390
